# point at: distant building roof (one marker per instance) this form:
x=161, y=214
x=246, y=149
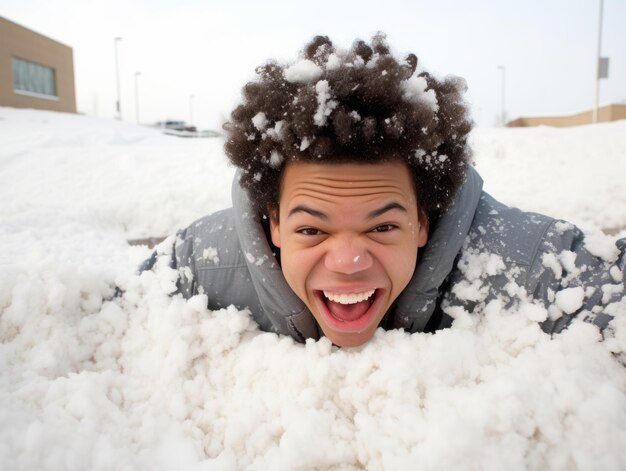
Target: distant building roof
x=606, y=113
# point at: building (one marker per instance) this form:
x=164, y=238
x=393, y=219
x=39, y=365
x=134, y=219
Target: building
x=35, y=71
x=605, y=113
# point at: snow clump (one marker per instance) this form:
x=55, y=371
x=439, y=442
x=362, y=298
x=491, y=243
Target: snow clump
x=325, y=104
x=210, y=253
x=276, y=159
x=569, y=300
x=259, y=120
x=304, y=71
x=333, y=62
x=414, y=91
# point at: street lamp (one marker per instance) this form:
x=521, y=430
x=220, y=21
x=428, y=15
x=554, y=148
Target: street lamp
x=594, y=115
x=502, y=106
x=137, y=74
x=118, y=104
x=191, y=110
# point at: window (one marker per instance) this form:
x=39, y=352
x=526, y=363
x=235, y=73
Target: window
x=33, y=79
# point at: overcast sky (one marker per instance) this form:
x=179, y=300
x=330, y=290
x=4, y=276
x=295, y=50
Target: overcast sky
x=209, y=49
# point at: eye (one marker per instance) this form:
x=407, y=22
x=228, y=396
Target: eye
x=309, y=231
x=384, y=228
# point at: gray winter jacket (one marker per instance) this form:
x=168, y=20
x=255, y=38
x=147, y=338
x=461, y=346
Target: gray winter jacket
x=478, y=251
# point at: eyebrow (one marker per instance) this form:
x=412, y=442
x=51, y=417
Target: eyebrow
x=302, y=208
x=384, y=209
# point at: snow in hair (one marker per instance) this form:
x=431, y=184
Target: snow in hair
x=362, y=104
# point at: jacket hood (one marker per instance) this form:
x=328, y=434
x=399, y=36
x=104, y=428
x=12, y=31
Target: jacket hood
x=288, y=314
x=414, y=306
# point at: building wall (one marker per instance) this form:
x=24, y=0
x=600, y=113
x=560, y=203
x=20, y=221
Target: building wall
x=605, y=114
x=20, y=42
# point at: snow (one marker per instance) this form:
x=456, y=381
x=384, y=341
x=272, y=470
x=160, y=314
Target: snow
x=57, y=168
x=210, y=253
x=276, y=132
x=259, y=120
x=551, y=261
x=598, y=245
x=325, y=105
x=304, y=144
x=276, y=159
x=576, y=174
x=148, y=381
x=414, y=91
x=333, y=62
x=304, y=71
x=616, y=274
x=569, y=300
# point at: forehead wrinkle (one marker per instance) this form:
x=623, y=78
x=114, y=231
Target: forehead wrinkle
x=313, y=189
x=352, y=182
x=319, y=205
x=305, y=183
x=352, y=178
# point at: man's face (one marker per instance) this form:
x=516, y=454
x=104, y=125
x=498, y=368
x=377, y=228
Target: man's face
x=348, y=235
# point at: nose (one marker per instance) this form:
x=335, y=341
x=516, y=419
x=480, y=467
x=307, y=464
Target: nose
x=348, y=256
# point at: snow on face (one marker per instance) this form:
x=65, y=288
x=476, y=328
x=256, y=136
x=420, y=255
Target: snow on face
x=304, y=71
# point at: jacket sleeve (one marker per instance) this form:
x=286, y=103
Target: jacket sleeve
x=578, y=276
x=176, y=253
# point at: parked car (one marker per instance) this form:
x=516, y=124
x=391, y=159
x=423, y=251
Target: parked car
x=176, y=125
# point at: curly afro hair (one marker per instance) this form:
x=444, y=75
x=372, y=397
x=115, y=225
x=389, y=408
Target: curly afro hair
x=362, y=105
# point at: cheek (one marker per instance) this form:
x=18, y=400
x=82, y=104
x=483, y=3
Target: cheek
x=399, y=262
x=297, y=265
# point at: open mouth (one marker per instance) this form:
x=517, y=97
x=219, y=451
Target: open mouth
x=350, y=311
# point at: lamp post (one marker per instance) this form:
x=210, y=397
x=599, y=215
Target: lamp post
x=118, y=104
x=191, y=110
x=594, y=115
x=137, y=74
x=502, y=104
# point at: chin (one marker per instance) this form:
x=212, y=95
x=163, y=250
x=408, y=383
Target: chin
x=349, y=341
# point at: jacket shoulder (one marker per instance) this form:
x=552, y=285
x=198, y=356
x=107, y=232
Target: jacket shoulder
x=213, y=242
x=509, y=232
x=552, y=261
x=210, y=261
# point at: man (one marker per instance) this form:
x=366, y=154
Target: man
x=355, y=207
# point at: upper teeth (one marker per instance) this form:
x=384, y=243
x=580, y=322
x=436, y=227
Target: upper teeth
x=351, y=298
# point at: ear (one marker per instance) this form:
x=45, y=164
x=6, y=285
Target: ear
x=274, y=226
x=422, y=236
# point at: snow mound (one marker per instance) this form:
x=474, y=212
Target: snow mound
x=101, y=369
x=149, y=381
x=576, y=173
x=63, y=167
